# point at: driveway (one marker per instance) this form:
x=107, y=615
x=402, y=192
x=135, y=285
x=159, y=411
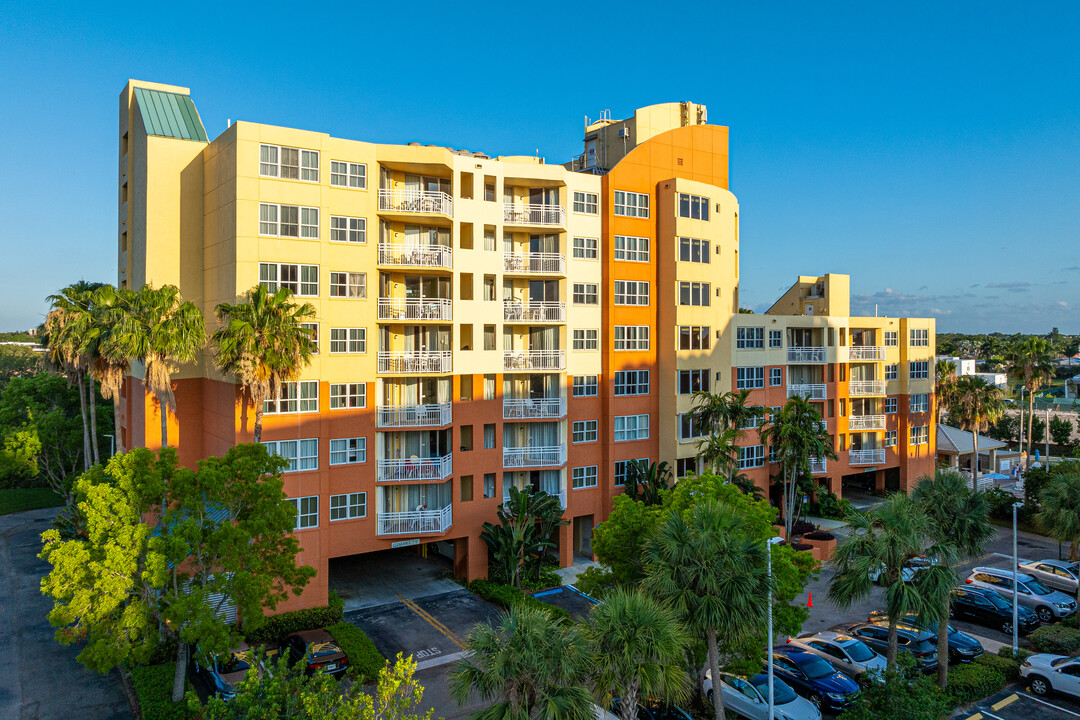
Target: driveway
x=1017, y=703
x=372, y=579
x=40, y=678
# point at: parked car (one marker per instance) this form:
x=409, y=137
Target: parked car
x=849, y=655
x=908, y=572
x=1049, y=604
x=987, y=607
x=223, y=674
x=651, y=710
x=318, y=650
x=816, y=680
x=962, y=647
x=921, y=644
x=1045, y=672
x=749, y=697
x=1060, y=575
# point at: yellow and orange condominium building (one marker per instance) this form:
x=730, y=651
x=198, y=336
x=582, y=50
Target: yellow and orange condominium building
x=488, y=322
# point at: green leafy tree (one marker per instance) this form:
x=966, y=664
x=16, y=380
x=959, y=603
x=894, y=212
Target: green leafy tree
x=1059, y=516
x=17, y=361
x=225, y=537
x=1030, y=362
x=646, y=481
x=976, y=404
x=944, y=387
x=1061, y=430
x=1006, y=428
x=1036, y=428
x=527, y=666
x=526, y=522
x=619, y=542
x=19, y=450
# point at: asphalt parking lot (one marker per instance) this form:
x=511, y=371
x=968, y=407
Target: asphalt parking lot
x=1017, y=703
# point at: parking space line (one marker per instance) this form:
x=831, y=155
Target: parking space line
x=431, y=620
x=1002, y=703
x=1050, y=704
x=987, y=713
x=976, y=716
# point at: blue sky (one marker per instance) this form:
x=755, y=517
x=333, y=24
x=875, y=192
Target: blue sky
x=930, y=150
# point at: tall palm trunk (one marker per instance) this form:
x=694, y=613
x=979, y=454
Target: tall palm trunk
x=890, y=653
x=975, y=462
x=164, y=412
x=1031, y=423
x=85, y=424
x=630, y=702
x=714, y=671
x=116, y=422
x=943, y=645
x=259, y=405
x=91, y=391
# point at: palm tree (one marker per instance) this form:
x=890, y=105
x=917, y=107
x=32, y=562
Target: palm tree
x=1060, y=514
x=1030, y=363
x=526, y=522
x=944, y=387
x=263, y=343
x=717, y=412
x=960, y=524
x=976, y=405
x=881, y=540
x=711, y=569
x=528, y=665
x=796, y=435
x=718, y=451
x=160, y=329
x=645, y=480
x=100, y=341
x=637, y=647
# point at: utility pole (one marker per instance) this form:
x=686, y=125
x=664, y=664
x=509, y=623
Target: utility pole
x=1046, y=436
x=1020, y=444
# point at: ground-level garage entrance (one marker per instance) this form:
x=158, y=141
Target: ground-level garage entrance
x=377, y=578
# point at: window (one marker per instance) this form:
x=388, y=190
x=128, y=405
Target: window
x=631, y=204
x=632, y=382
x=348, y=506
x=348, y=451
x=489, y=387
x=585, y=248
x=691, y=381
x=749, y=378
x=585, y=339
x=348, y=340
x=309, y=165
x=693, y=250
x=751, y=457
x=631, y=292
x=585, y=294
x=301, y=454
x=689, y=427
x=314, y=329
x=268, y=160
x=348, y=285
x=586, y=202
x=919, y=402
x=347, y=174
x=466, y=488
x=695, y=293
x=890, y=438
x=890, y=338
x=631, y=248
x=631, y=337
x=489, y=436
x=295, y=397
x=685, y=467
x=694, y=337
x=583, y=477
x=622, y=469
x=348, y=395
x=348, y=229
x=489, y=485
x=920, y=337
x=585, y=431
x=776, y=377
x=776, y=339
x=307, y=511
x=585, y=386
x=919, y=370
x=288, y=163
x=288, y=221
x=631, y=427
x=890, y=405
x=920, y=434
x=693, y=206
x=891, y=371
x=749, y=338
x=301, y=279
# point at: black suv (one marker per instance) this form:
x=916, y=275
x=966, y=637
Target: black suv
x=920, y=643
x=987, y=607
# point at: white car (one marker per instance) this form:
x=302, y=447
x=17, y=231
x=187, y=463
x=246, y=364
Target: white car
x=849, y=655
x=749, y=697
x=1060, y=575
x=1045, y=673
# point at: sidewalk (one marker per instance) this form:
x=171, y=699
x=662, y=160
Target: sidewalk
x=569, y=574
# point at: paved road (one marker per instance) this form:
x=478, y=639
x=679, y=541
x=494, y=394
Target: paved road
x=1018, y=703
x=38, y=677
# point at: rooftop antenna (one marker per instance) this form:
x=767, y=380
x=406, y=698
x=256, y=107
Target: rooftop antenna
x=228, y=123
x=875, y=309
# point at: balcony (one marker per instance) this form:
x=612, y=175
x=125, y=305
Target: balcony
x=406, y=361
x=866, y=457
x=542, y=215
x=419, y=256
x=416, y=202
x=866, y=352
x=431, y=309
x=408, y=416
x=810, y=391
x=534, y=360
x=866, y=422
x=528, y=457
x=864, y=388
x=544, y=311
x=534, y=408
x=561, y=495
x=415, y=469
x=818, y=466
x=416, y=522
x=806, y=355
x=534, y=263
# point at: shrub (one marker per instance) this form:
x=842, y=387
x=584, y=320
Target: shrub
x=819, y=535
x=1056, y=640
x=365, y=660
x=999, y=503
x=801, y=546
x=801, y=526
x=1005, y=651
x=900, y=697
x=595, y=581
x=548, y=579
x=506, y=596
x=278, y=626
x=153, y=687
x=1007, y=666
x=968, y=683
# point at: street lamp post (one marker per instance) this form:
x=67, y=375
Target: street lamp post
x=112, y=445
x=1016, y=565
x=768, y=660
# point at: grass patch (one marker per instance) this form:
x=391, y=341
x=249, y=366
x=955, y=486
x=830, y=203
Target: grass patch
x=365, y=660
x=13, y=500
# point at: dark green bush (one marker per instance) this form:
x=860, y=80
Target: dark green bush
x=1007, y=666
x=1005, y=651
x=278, y=626
x=968, y=683
x=595, y=581
x=153, y=688
x=506, y=596
x=999, y=503
x=1056, y=639
x=365, y=660
x=899, y=696
x=548, y=579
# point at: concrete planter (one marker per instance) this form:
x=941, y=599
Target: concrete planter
x=823, y=549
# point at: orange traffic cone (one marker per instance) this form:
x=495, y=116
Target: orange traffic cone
x=810, y=600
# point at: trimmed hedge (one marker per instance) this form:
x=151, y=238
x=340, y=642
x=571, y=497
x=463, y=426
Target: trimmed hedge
x=968, y=683
x=506, y=596
x=1007, y=666
x=1056, y=639
x=153, y=688
x=365, y=660
x=1005, y=651
x=278, y=626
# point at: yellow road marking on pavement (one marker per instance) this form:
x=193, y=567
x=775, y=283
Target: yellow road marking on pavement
x=1012, y=698
x=431, y=621
x=976, y=716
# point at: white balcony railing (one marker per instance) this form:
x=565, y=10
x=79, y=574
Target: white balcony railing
x=414, y=415
x=522, y=214
x=439, y=309
x=862, y=388
x=544, y=311
x=418, y=202
x=406, y=361
x=866, y=352
x=530, y=262
x=866, y=422
x=810, y=391
x=534, y=360
x=416, y=255
x=818, y=465
x=520, y=457
x=866, y=457
x=561, y=495
x=415, y=469
x=533, y=408
x=416, y=522
x=806, y=355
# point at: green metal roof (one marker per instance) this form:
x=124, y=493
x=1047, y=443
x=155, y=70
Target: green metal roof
x=169, y=114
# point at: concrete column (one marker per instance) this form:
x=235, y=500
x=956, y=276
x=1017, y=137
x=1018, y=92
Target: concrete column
x=477, y=559
x=566, y=544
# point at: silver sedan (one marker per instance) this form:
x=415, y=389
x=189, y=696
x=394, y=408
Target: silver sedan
x=1059, y=574
x=749, y=698
x=849, y=655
